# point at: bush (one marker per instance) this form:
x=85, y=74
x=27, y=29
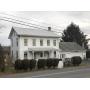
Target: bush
x=18, y=65
x=32, y=64
x=25, y=64
x=55, y=62
x=41, y=63
x=2, y=66
x=76, y=61
x=2, y=62
x=67, y=62
x=49, y=63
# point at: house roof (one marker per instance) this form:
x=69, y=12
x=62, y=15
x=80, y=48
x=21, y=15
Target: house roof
x=34, y=32
x=70, y=46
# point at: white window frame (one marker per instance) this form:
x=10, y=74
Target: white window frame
x=54, y=42
x=34, y=42
x=25, y=42
x=48, y=42
x=41, y=44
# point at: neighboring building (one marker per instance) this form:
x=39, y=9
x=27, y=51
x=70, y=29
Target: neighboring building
x=70, y=49
x=33, y=43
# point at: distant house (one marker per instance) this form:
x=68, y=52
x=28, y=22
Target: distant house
x=70, y=49
x=29, y=43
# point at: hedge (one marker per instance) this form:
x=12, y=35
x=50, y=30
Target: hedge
x=32, y=64
x=52, y=63
x=25, y=64
x=76, y=61
x=41, y=63
x=18, y=64
x=55, y=62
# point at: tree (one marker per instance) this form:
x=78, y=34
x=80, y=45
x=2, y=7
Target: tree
x=2, y=63
x=73, y=34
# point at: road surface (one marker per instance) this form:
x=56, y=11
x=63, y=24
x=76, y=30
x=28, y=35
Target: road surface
x=54, y=73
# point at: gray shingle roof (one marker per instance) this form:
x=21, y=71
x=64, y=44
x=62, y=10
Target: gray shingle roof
x=70, y=46
x=34, y=32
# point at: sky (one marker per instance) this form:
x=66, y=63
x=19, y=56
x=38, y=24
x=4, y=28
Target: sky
x=58, y=20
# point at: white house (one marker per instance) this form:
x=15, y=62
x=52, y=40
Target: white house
x=29, y=43
x=70, y=49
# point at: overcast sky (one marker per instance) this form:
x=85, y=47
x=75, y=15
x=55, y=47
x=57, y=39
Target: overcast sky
x=57, y=20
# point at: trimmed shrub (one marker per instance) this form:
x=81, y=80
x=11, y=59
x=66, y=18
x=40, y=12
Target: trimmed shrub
x=49, y=63
x=55, y=62
x=67, y=62
x=52, y=62
x=32, y=64
x=41, y=63
x=25, y=64
x=76, y=61
x=18, y=64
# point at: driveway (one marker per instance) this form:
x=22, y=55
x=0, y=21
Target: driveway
x=72, y=72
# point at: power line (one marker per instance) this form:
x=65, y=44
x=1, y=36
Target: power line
x=40, y=27
x=29, y=19
x=22, y=23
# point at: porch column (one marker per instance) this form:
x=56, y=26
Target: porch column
x=43, y=54
x=33, y=54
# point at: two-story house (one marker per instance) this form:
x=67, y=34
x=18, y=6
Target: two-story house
x=29, y=43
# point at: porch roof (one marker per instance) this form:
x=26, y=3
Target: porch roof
x=42, y=49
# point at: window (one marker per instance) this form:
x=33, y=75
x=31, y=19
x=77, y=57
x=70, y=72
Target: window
x=25, y=42
x=54, y=42
x=62, y=56
x=25, y=55
x=17, y=41
x=41, y=42
x=41, y=54
x=48, y=42
x=16, y=54
x=34, y=42
x=54, y=53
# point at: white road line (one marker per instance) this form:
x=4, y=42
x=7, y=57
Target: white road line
x=58, y=73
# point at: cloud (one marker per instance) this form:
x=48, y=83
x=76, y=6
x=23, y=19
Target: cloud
x=2, y=26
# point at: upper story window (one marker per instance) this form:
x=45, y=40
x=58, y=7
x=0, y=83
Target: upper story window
x=34, y=42
x=41, y=42
x=54, y=42
x=17, y=41
x=48, y=42
x=25, y=42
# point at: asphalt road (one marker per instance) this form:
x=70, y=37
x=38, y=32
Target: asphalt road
x=54, y=73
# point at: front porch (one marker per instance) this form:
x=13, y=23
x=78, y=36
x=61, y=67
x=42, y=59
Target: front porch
x=42, y=53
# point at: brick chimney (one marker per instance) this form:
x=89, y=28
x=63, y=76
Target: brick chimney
x=49, y=28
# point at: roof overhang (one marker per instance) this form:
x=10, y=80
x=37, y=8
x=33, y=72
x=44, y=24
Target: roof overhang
x=43, y=49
